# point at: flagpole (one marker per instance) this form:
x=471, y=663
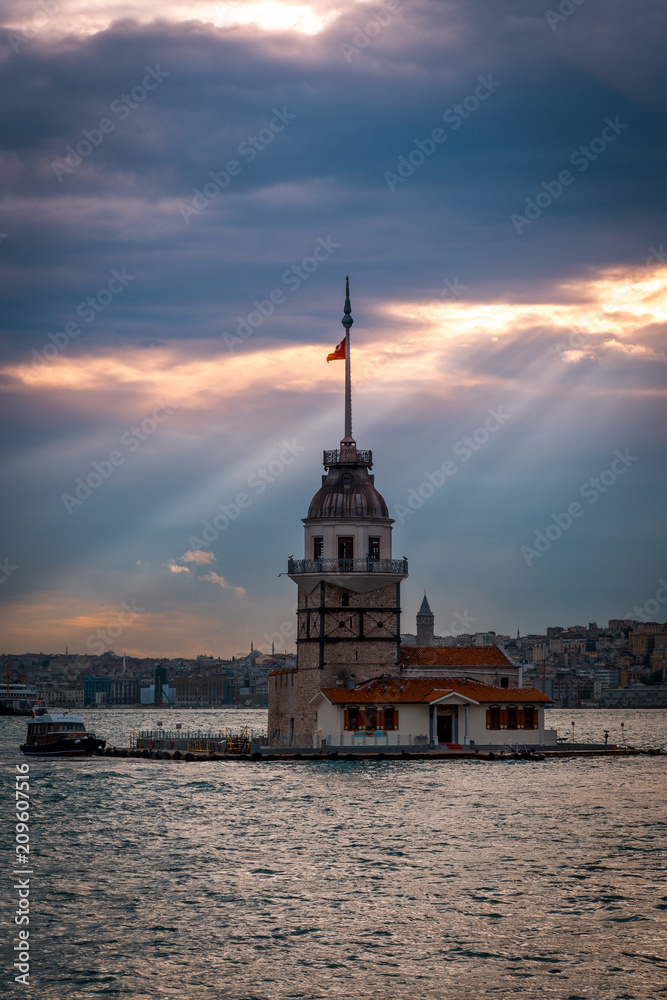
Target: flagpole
x=347, y=322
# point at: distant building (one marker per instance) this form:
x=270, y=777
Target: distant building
x=104, y=691
x=425, y=625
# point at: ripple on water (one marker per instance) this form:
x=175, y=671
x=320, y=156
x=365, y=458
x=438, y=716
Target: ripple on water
x=387, y=880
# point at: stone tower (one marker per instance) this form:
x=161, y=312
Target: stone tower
x=425, y=625
x=349, y=606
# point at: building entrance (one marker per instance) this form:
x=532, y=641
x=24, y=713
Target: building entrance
x=445, y=733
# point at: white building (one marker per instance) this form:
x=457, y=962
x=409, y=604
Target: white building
x=431, y=712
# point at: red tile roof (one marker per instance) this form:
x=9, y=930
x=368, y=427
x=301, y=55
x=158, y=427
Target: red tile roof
x=454, y=656
x=416, y=690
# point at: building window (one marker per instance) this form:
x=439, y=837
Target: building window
x=345, y=547
x=511, y=717
x=373, y=548
x=347, y=479
x=493, y=717
x=345, y=600
x=504, y=682
x=371, y=718
x=318, y=548
x=352, y=718
x=529, y=720
x=390, y=718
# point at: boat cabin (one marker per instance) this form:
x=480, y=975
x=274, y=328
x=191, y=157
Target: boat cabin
x=48, y=726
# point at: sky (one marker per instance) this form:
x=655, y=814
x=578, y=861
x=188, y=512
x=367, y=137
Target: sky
x=186, y=187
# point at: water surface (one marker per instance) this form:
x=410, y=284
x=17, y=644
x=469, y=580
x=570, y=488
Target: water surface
x=256, y=881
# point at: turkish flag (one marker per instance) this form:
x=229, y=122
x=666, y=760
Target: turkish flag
x=339, y=352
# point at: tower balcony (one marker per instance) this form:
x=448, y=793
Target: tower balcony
x=347, y=454
x=394, y=567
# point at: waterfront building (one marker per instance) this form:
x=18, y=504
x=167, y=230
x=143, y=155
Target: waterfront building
x=487, y=664
x=103, y=691
x=349, y=638
x=431, y=712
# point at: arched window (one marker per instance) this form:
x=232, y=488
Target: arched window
x=493, y=717
x=529, y=717
x=352, y=718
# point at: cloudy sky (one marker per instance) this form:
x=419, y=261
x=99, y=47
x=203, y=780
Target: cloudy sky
x=186, y=186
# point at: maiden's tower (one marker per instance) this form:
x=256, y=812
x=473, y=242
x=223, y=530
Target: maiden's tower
x=349, y=585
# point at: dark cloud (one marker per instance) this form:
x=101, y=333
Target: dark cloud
x=323, y=176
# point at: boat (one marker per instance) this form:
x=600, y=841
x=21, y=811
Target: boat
x=59, y=734
x=17, y=699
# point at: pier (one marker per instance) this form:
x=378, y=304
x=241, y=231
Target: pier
x=245, y=746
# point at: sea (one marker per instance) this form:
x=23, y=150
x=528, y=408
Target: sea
x=382, y=880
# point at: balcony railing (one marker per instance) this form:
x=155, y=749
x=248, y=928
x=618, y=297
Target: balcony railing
x=398, y=566
x=355, y=455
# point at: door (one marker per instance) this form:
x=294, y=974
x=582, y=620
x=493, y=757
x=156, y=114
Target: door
x=445, y=729
x=345, y=549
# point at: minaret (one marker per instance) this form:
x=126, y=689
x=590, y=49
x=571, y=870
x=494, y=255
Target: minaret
x=348, y=609
x=425, y=625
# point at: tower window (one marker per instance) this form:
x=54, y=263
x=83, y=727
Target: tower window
x=347, y=479
x=318, y=548
x=373, y=548
x=345, y=548
x=345, y=600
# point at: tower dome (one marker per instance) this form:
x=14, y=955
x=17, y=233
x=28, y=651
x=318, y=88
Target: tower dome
x=347, y=491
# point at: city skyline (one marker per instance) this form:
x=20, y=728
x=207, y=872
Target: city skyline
x=184, y=200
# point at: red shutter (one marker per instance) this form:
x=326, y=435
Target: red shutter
x=361, y=721
x=519, y=718
x=503, y=718
x=488, y=718
x=395, y=718
x=346, y=723
x=379, y=719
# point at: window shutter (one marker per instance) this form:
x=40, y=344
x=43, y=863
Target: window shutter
x=503, y=718
x=395, y=718
x=361, y=722
x=488, y=718
x=379, y=719
x=346, y=723
x=519, y=718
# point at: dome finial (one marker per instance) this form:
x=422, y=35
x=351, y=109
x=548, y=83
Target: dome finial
x=347, y=320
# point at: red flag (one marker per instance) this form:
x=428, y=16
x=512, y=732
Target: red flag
x=339, y=352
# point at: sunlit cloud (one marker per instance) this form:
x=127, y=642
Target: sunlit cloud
x=220, y=580
x=87, y=17
x=596, y=321
x=49, y=623
x=198, y=556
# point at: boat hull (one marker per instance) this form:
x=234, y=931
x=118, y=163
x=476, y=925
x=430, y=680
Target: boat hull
x=63, y=748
